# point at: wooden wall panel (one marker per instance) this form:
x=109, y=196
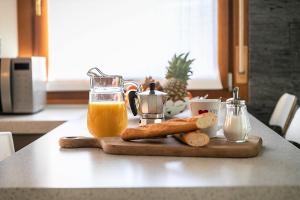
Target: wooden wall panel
x=33, y=28
x=223, y=40
x=79, y=97
x=240, y=78
x=40, y=34
x=25, y=27
x=41, y=30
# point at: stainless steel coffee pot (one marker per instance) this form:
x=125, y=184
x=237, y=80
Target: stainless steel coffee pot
x=148, y=104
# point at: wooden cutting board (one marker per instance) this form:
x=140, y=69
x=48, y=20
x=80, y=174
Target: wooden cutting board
x=217, y=147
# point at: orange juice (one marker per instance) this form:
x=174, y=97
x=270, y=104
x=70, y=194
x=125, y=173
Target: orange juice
x=106, y=119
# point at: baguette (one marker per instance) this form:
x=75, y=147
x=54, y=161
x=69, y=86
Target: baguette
x=159, y=130
x=170, y=127
x=194, y=138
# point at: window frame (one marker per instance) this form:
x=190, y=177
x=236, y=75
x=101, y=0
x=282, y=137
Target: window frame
x=33, y=41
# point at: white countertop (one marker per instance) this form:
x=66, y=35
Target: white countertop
x=43, y=121
x=44, y=171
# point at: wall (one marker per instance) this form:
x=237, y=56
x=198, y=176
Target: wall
x=274, y=34
x=8, y=28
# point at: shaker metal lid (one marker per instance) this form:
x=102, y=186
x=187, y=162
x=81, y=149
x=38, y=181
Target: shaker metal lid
x=152, y=91
x=235, y=100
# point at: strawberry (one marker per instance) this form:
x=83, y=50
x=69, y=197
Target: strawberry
x=202, y=111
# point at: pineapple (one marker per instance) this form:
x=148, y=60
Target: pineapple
x=179, y=72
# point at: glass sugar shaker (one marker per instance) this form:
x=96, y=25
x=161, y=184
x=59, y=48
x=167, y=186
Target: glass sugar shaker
x=236, y=126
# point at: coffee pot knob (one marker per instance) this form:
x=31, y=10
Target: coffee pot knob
x=152, y=88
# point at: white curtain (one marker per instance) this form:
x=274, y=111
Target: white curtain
x=133, y=38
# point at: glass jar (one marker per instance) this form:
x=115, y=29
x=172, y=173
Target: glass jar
x=236, y=126
x=107, y=113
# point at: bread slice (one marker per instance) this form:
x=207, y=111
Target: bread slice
x=206, y=120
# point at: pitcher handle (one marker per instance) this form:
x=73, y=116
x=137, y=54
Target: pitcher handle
x=131, y=97
x=99, y=72
x=136, y=84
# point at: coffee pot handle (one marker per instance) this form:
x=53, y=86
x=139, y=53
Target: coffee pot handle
x=132, y=96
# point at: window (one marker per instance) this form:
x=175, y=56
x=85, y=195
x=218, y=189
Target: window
x=134, y=38
x=8, y=29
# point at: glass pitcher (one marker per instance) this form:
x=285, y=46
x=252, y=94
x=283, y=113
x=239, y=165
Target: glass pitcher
x=107, y=113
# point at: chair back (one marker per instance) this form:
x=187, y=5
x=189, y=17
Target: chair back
x=293, y=132
x=6, y=145
x=283, y=112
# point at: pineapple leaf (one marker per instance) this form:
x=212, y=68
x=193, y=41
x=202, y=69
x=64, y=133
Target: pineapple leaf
x=186, y=55
x=179, y=67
